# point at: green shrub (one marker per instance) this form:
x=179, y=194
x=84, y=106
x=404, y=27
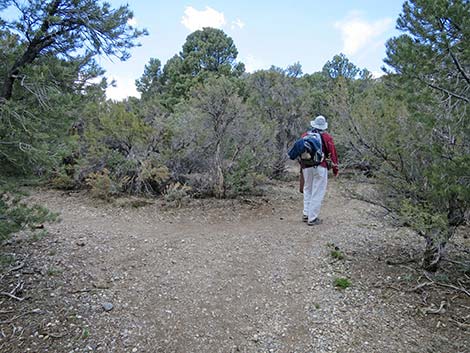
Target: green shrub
x=101, y=185
x=176, y=194
x=242, y=179
x=342, y=283
x=62, y=179
x=16, y=215
x=336, y=254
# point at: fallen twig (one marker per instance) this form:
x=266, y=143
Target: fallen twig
x=6, y=312
x=461, y=289
x=401, y=262
x=435, y=311
x=19, y=287
x=395, y=288
x=78, y=291
x=460, y=324
x=419, y=286
x=408, y=267
x=35, y=311
x=12, y=296
x=457, y=262
x=18, y=267
x=56, y=335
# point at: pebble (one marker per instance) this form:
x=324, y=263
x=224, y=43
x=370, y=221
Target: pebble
x=107, y=306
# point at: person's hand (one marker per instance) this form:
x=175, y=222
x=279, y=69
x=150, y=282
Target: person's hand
x=335, y=173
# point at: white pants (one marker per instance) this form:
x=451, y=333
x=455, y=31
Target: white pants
x=315, y=181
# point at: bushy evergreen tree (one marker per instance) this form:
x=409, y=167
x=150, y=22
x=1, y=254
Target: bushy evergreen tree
x=282, y=101
x=413, y=125
x=205, y=52
x=432, y=62
x=216, y=140
x=46, y=63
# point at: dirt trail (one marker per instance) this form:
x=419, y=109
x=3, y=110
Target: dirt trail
x=220, y=276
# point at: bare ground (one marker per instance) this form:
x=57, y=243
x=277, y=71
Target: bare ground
x=227, y=276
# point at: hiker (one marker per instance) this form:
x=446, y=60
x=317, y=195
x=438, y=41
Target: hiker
x=315, y=178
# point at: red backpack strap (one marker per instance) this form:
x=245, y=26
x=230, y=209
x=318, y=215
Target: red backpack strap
x=325, y=149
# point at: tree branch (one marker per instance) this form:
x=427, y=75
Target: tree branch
x=454, y=58
x=460, y=289
x=465, y=99
x=459, y=67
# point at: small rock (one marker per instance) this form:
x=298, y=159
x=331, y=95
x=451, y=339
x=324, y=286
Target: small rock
x=107, y=306
x=100, y=284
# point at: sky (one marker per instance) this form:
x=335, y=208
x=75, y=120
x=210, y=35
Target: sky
x=265, y=33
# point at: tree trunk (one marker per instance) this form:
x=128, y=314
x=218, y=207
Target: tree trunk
x=437, y=240
x=40, y=41
x=28, y=57
x=7, y=89
x=279, y=167
x=433, y=253
x=220, y=180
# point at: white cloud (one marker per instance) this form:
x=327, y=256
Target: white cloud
x=132, y=22
x=238, y=23
x=194, y=19
x=377, y=74
x=253, y=64
x=122, y=89
x=358, y=33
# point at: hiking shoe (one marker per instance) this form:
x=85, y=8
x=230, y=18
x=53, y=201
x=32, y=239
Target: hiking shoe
x=304, y=218
x=315, y=222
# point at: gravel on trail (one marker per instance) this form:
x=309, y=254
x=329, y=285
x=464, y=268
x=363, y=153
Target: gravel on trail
x=242, y=275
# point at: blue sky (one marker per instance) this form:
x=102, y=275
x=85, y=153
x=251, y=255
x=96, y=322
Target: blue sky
x=265, y=33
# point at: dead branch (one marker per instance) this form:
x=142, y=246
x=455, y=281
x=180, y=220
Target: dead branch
x=400, y=262
x=56, y=335
x=408, y=268
x=463, y=263
x=16, y=268
x=35, y=311
x=460, y=324
x=431, y=310
x=460, y=289
x=12, y=293
x=78, y=291
x=6, y=312
x=12, y=296
x=419, y=286
x=359, y=197
x=395, y=288
x=18, y=288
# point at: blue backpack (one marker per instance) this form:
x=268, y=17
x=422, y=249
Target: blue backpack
x=308, y=150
